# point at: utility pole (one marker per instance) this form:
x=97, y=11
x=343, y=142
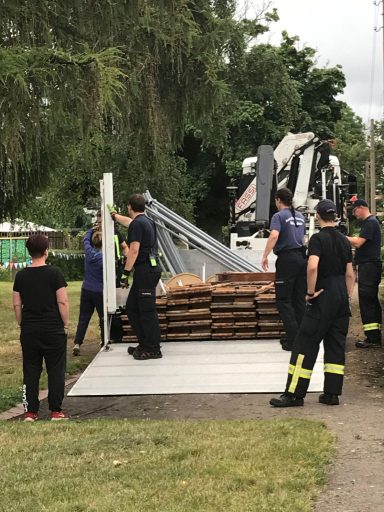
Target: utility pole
x=367, y=184
x=372, y=170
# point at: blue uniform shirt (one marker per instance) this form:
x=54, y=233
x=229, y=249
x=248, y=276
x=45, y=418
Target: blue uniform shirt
x=291, y=236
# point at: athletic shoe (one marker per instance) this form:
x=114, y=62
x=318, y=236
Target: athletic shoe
x=287, y=401
x=131, y=350
x=142, y=355
x=31, y=416
x=367, y=344
x=58, y=415
x=76, y=350
x=328, y=399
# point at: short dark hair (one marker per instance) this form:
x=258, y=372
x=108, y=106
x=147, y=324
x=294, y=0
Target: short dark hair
x=137, y=202
x=328, y=217
x=37, y=245
x=285, y=196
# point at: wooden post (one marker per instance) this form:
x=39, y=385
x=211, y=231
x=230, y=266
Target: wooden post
x=373, y=170
x=367, y=190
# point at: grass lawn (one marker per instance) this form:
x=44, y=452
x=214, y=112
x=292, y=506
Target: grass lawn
x=10, y=352
x=109, y=465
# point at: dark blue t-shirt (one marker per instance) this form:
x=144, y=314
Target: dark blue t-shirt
x=291, y=236
x=370, y=250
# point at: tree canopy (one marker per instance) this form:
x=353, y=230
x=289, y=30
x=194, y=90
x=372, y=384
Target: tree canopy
x=169, y=95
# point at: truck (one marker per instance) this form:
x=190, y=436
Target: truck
x=301, y=162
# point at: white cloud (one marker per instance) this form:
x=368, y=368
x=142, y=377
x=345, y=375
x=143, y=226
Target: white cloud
x=342, y=32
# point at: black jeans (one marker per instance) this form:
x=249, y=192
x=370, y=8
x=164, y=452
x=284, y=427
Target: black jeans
x=38, y=344
x=291, y=287
x=141, y=307
x=369, y=277
x=89, y=301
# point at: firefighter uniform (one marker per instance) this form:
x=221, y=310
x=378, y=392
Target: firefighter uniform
x=291, y=267
x=368, y=263
x=326, y=318
x=141, y=302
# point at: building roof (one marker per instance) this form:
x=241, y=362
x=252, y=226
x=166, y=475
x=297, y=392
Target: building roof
x=22, y=226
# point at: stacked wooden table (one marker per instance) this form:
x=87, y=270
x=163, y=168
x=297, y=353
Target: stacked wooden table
x=225, y=310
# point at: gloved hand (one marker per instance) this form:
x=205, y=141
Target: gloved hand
x=112, y=210
x=124, y=279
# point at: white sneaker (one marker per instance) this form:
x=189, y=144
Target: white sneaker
x=76, y=350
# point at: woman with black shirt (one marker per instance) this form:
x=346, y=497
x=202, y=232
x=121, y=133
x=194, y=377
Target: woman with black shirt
x=40, y=302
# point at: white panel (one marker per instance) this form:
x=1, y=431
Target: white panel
x=106, y=186
x=193, y=367
x=301, y=191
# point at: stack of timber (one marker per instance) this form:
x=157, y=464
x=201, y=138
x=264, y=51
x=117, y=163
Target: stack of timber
x=226, y=310
x=233, y=312
x=188, y=312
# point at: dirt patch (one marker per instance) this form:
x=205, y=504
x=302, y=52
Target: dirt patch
x=356, y=477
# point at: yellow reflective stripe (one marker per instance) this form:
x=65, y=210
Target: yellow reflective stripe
x=305, y=374
x=296, y=373
x=334, y=368
x=371, y=327
x=117, y=245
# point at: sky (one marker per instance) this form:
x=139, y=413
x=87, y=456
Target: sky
x=342, y=32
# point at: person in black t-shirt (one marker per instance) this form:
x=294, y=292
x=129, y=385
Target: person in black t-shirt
x=143, y=258
x=330, y=281
x=41, y=307
x=368, y=261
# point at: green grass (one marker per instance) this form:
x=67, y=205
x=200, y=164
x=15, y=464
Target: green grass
x=162, y=466
x=10, y=352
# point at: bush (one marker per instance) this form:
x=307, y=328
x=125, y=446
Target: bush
x=72, y=268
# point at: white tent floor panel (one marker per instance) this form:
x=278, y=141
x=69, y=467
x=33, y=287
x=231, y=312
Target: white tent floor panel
x=193, y=367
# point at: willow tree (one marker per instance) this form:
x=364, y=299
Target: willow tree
x=129, y=74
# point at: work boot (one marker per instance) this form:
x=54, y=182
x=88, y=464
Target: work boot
x=142, y=355
x=367, y=344
x=131, y=350
x=286, y=400
x=76, y=350
x=328, y=399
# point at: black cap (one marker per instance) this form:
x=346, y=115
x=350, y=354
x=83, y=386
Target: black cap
x=326, y=206
x=359, y=202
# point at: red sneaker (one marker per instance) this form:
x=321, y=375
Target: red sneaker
x=58, y=415
x=31, y=416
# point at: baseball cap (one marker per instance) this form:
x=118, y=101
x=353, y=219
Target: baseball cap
x=326, y=206
x=359, y=202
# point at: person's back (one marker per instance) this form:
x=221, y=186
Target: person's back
x=41, y=307
x=91, y=297
x=330, y=282
x=93, y=264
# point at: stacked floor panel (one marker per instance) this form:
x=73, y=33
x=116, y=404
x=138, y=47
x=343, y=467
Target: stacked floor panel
x=227, y=310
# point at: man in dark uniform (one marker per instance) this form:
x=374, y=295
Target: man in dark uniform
x=368, y=261
x=287, y=242
x=143, y=257
x=330, y=281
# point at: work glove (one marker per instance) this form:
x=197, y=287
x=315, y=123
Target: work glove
x=124, y=279
x=112, y=210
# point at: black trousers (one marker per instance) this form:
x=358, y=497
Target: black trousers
x=89, y=301
x=327, y=319
x=38, y=344
x=291, y=287
x=141, y=307
x=369, y=277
